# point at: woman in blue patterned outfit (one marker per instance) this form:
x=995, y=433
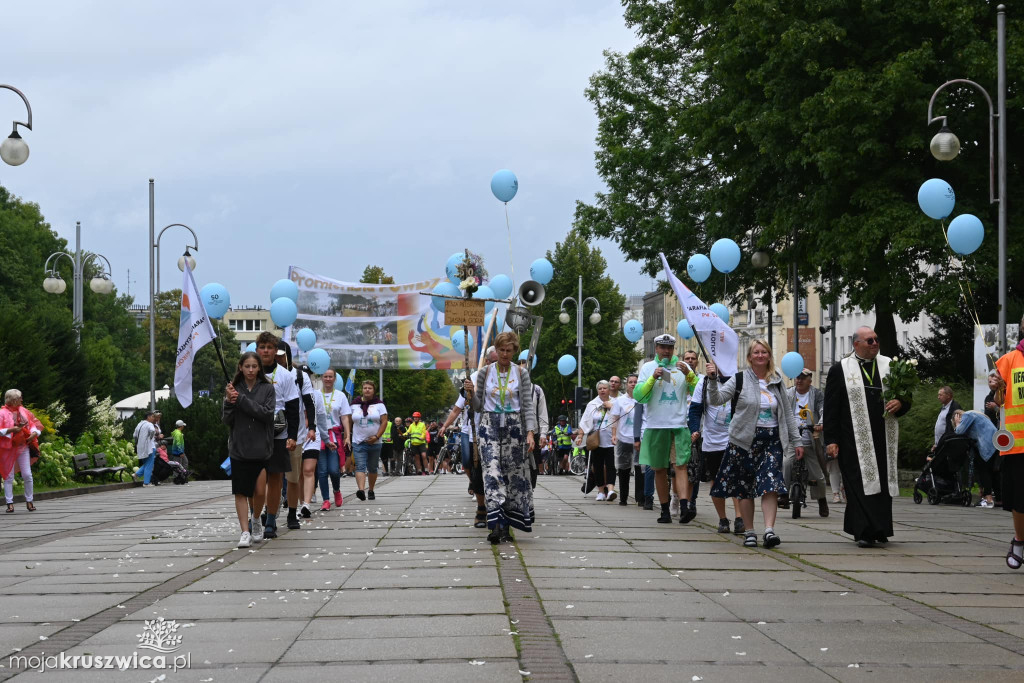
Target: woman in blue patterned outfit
x=503, y=398
x=763, y=427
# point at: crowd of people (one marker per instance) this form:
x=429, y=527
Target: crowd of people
x=667, y=428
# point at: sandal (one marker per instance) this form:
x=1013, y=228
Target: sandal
x=30, y=506
x=750, y=539
x=481, y=517
x=1015, y=558
x=10, y=508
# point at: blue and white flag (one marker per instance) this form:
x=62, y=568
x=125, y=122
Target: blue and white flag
x=721, y=341
x=194, y=332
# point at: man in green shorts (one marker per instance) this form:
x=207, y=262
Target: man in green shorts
x=662, y=387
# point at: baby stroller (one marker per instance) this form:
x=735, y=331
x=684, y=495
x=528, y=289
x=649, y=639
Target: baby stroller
x=942, y=479
x=164, y=468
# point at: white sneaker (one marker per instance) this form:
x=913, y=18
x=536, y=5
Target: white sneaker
x=601, y=496
x=257, y=529
x=611, y=495
x=246, y=540
x=304, y=511
x=673, y=506
x=987, y=503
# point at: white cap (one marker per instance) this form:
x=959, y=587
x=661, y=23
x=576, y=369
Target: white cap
x=179, y=423
x=665, y=340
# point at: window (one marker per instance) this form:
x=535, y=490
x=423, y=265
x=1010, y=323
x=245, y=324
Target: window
x=906, y=339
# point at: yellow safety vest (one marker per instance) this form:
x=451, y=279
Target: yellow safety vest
x=562, y=435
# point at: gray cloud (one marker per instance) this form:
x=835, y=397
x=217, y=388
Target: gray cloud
x=320, y=134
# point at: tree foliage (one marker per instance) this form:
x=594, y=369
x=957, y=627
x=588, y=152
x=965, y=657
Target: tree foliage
x=798, y=128
x=375, y=275
x=606, y=351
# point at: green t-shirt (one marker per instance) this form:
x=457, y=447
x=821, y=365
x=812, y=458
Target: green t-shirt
x=177, y=441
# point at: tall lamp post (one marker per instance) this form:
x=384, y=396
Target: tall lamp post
x=595, y=318
x=760, y=260
x=14, y=150
x=54, y=284
x=945, y=147
x=154, y=281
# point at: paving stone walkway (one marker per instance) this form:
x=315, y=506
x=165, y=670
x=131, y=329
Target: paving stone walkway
x=404, y=588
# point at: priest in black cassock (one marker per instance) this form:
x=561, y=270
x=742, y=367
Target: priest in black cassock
x=862, y=431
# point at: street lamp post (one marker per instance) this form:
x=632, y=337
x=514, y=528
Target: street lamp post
x=54, y=284
x=945, y=147
x=154, y=281
x=14, y=150
x=760, y=261
x=595, y=318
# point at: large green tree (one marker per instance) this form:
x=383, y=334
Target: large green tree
x=797, y=128
x=606, y=351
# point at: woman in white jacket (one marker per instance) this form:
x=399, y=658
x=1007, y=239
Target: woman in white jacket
x=601, y=414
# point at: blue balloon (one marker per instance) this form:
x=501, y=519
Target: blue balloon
x=319, y=361
x=524, y=354
x=792, y=364
x=485, y=292
x=251, y=346
x=451, y=267
x=504, y=185
x=721, y=311
x=443, y=289
x=725, y=255
x=633, y=330
x=284, y=288
x=699, y=267
x=283, y=311
x=936, y=198
x=566, y=365
x=501, y=285
x=684, y=330
x=459, y=341
x=306, y=339
x=542, y=271
x=216, y=300
x=965, y=234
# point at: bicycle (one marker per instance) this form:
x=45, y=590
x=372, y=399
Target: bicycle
x=578, y=463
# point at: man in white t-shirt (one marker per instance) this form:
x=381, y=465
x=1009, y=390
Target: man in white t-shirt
x=287, y=401
x=339, y=427
x=626, y=453
x=808, y=404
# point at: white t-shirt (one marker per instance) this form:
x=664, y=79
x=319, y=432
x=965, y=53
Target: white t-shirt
x=337, y=406
x=802, y=409
x=318, y=404
x=285, y=389
x=366, y=425
x=667, y=407
x=767, y=415
x=714, y=423
x=623, y=414
x=501, y=390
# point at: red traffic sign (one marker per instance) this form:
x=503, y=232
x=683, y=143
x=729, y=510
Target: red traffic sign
x=1003, y=440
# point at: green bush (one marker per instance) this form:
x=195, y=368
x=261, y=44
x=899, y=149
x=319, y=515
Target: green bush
x=917, y=427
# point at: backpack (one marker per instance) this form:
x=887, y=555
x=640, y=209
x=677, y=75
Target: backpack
x=732, y=401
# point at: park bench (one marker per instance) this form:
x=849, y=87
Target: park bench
x=81, y=464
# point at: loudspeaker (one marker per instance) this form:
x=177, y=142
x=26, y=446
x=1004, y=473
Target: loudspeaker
x=531, y=293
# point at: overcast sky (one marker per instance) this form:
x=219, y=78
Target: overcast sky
x=327, y=135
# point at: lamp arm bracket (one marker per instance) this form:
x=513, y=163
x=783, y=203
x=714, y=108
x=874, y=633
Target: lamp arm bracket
x=27, y=124
x=992, y=198
x=57, y=255
x=181, y=225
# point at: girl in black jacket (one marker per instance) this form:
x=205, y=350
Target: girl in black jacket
x=249, y=411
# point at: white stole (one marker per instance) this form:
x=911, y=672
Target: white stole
x=862, y=435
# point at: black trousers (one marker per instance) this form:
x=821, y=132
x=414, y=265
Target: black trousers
x=602, y=464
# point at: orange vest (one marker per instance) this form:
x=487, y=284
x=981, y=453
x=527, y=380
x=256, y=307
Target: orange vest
x=1011, y=367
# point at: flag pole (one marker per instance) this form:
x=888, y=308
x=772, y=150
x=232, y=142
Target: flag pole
x=220, y=355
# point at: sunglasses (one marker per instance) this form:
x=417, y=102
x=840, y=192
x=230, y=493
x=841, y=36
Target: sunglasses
x=870, y=342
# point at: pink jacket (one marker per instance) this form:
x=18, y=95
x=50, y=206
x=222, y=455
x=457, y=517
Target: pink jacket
x=11, y=442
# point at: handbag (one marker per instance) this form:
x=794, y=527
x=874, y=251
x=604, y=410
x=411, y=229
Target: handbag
x=33, y=453
x=280, y=423
x=594, y=436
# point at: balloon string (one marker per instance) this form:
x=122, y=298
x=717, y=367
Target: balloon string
x=511, y=265
x=969, y=302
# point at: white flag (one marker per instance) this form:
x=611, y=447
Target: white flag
x=720, y=340
x=194, y=332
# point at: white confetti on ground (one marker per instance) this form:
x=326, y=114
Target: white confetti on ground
x=477, y=663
